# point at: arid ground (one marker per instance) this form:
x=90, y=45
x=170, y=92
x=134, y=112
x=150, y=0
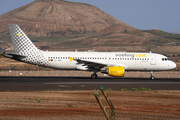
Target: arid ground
x=140, y=102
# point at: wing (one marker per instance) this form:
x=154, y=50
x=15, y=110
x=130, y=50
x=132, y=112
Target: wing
x=91, y=65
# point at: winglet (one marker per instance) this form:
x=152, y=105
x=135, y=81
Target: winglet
x=71, y=59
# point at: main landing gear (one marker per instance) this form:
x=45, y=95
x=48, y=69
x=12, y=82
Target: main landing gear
x=152, y=77
x=94, y=76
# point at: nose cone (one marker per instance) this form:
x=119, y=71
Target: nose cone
x=173, y=65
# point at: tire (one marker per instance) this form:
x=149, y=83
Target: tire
x=152, y=78
x=93, y=76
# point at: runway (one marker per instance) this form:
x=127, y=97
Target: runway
x=84, y=83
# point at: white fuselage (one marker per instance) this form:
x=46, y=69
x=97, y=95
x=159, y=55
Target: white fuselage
x=111, y=63
x=129, y=60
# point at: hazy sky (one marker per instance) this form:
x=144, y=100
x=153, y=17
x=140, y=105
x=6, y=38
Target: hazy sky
x=141, y=14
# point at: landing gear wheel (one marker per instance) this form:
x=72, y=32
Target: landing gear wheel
x=152, y=77
x=94, y=76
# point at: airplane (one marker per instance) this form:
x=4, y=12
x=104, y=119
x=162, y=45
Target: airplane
x=112, y=63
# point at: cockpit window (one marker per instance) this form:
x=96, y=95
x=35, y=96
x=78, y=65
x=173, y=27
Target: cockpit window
x=165, y=59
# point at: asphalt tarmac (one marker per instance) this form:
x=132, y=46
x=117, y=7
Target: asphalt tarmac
x=84, y=83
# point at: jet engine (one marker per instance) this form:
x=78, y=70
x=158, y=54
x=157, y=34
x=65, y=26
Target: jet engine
x=115, y=71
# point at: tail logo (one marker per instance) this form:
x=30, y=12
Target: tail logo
x=19, y=34
x=71, y=59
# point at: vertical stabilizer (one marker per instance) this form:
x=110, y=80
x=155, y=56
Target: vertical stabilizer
x=24, y=49
x=21, y=43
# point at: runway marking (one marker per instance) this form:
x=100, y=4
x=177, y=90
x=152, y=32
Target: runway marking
x=62, y=86
x=114, y=83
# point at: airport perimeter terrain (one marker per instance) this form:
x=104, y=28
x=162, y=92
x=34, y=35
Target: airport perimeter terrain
x=32, y=92
x=51, y=103
x=35, y=97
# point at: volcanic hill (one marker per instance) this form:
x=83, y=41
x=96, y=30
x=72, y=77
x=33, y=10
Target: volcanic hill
x=62, y=25
x=57, y=17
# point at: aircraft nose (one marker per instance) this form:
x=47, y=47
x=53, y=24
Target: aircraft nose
x=173, y=65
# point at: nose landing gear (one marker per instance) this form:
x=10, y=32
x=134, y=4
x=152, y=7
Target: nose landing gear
x=152, y=77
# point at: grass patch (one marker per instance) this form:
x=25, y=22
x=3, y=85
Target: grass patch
x=57, y=90
x=48, y=39
x=2, y=54
x=38, y=100
x=144, y=89
x=109, y=89
x=52, y=90
x=134, y=89
x=70, y=105
x=5, y=38
x=163, y=34
x=123, y=89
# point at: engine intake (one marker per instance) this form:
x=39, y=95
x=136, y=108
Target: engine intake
x=115, y=71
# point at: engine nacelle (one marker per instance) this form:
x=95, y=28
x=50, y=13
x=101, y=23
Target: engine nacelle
x=115, y=71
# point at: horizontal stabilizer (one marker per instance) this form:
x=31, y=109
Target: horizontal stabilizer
x=14, y=56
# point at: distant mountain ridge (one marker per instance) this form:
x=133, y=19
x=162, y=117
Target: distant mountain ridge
x=58, y=17
x=63, y=25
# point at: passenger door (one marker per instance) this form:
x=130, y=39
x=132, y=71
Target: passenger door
x=153, y=60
